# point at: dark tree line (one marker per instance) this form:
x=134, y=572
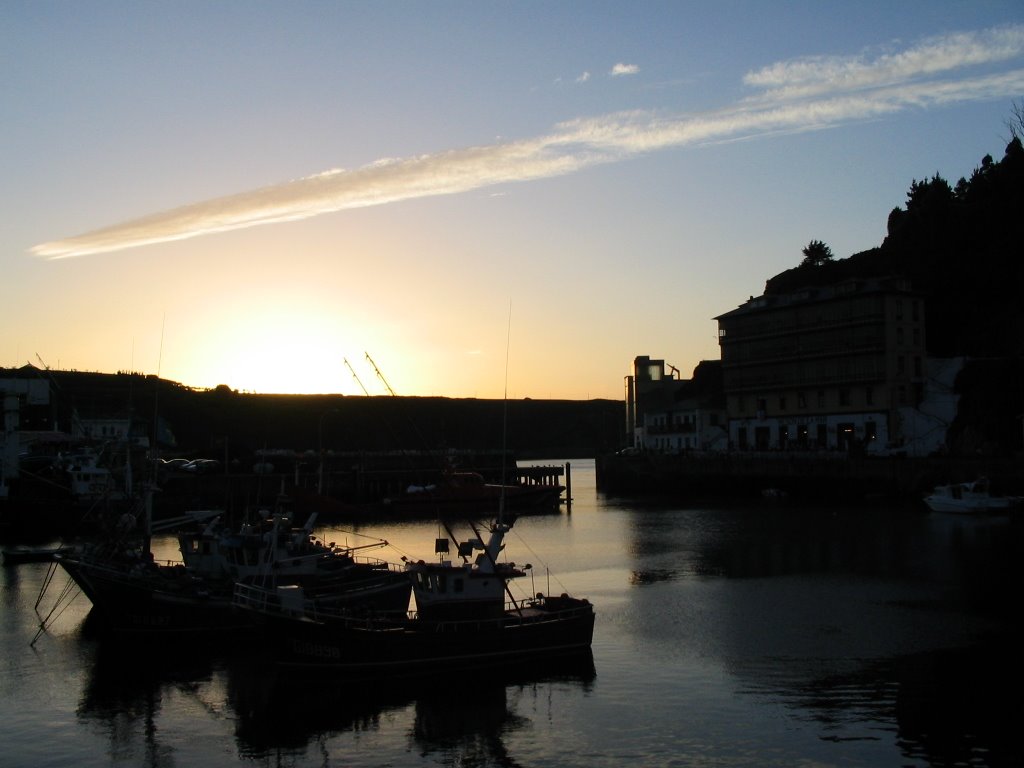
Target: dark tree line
x=961, y=246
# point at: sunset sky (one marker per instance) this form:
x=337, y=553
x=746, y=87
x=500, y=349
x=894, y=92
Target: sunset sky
x=250, y=193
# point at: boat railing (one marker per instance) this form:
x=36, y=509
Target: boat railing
x=291, y=601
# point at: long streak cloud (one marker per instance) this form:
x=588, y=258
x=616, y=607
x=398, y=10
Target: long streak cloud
x=800, y=95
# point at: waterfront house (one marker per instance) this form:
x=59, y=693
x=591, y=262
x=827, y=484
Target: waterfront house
x=838, y=367
x=668, y=414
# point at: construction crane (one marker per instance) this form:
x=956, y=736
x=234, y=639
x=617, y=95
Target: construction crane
x=380, y=375
x=354, y=376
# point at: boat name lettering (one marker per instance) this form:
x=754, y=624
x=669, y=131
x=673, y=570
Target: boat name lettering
x=320, y=651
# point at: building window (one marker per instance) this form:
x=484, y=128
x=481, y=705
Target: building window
x=869, y=396
x=822, y=436
x=801, y=400
x=844, y=396
x=821, y=398
x=917, y=367
x=782, y=403
x=899, y=336
x=900, y=365
x=902, y=395
x=870, y=430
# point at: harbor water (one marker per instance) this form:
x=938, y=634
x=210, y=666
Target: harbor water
x=765, y=634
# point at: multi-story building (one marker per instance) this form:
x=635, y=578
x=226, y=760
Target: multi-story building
x=839, y=366
x=667, y=414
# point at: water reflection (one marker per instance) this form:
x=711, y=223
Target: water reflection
x=459, y=719
x=872, y=627
x=760, y=636
x=127, y=684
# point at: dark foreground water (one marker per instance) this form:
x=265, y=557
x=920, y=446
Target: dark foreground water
x=726, y=636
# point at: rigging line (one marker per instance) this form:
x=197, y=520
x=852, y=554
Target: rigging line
x=51, y=571
x=540, y=560
x=62, y=598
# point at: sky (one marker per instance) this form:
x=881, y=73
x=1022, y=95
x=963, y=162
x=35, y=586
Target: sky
x=480, y=199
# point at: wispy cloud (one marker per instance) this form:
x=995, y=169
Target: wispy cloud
x=801, y=95
x=624, y=69
x=583, y=77
x=808, y=77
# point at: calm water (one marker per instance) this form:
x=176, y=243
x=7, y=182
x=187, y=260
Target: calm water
x=726, y=636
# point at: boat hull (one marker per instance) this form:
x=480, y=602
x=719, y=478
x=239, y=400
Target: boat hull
x=366, y=646
x=154, y=599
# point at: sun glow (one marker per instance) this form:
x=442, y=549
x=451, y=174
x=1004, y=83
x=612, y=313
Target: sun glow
x=279, y=349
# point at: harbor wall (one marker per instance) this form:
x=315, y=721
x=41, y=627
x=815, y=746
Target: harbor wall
x=831, y=477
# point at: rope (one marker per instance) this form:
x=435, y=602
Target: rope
x=63, y=602
x=537, y=557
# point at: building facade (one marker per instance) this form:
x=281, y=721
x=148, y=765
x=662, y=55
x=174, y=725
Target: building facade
x=835, y=367
x=668, y=414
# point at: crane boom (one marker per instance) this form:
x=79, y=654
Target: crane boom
x=380, y=375
x=354, y=376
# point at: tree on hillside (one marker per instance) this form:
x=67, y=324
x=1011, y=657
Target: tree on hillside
x=1015, y=122
x=815, y=254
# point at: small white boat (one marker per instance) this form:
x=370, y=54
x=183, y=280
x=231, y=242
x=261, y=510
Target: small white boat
x=969, y=498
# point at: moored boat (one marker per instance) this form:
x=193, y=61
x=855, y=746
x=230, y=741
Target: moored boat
x=462, y=619
x=132, y=592
x=974, y=497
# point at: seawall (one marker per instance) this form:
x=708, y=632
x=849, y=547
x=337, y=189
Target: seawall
x=834, y=477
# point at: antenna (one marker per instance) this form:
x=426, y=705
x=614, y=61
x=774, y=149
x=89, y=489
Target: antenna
x=504, y=419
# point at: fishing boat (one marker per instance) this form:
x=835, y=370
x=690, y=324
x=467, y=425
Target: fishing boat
x=273, y=552
x=133, y=592
x=465, y=616
x=970, y=498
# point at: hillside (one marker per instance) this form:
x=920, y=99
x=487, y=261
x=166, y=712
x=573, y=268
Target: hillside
x=202, y=420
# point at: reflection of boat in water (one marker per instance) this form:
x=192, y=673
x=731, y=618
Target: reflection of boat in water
x=462, y=619
x=969, y=498
x=278, y=711
x=139, y=698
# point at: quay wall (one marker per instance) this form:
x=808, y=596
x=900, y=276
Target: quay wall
x=834, y=477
